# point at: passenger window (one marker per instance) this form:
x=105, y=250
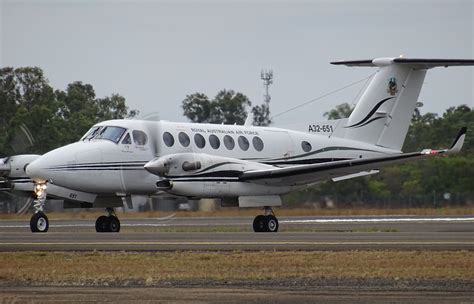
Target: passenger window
x=168, y=139
x=229, y=142
x=243, y=143
x=199, y=141
x=257, y=143
x=139, y=137
x=214, y=141
x=127, y=140
x=306, y=146
x=184, y=139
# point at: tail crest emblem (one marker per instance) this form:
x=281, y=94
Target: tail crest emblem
x=392, y=86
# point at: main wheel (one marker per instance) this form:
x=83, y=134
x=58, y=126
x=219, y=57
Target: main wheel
x=113, y=224
x=39, y=222
x=101, y=224
x=260, y=223
x=272, y=223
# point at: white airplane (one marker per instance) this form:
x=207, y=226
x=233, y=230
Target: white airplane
x=254, y=165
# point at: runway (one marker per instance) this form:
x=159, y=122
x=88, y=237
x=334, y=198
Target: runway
x=296, y=233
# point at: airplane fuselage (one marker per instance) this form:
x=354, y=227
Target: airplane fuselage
x=117, y=166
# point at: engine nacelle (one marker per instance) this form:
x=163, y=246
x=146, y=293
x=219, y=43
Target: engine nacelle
x=208, y=176
x=200, y=164
x=15, y=166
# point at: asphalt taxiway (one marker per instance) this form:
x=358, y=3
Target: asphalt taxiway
x=296, y=233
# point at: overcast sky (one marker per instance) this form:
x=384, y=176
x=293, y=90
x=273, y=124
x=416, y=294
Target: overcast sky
x=154, y=53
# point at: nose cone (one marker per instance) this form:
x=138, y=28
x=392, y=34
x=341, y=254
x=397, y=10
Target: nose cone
x=36, y=171
x=158, y=166
x=47, y=166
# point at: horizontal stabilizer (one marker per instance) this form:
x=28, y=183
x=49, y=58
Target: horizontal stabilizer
x=418, y=63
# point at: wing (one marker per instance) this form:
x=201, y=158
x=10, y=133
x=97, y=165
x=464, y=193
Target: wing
x=306, y=174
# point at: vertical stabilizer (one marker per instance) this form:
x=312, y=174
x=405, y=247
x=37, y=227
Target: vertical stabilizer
x=383, y=114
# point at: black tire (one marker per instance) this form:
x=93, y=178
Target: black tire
x=272, y=223
x=260, y=223
x=39, y=222
x=101, y=224
x=113, y=224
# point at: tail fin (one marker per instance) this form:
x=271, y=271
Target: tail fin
x=382, y=115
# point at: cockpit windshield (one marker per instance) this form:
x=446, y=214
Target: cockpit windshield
x=111, y=133
x=91, y=133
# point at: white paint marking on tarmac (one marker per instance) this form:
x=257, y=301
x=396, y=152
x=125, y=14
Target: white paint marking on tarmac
x=300, y=221
x=381, y=220
x=85, y=225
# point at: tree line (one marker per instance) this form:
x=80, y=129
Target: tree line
x=36, y=118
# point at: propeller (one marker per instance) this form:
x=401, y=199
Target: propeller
x=13, y=179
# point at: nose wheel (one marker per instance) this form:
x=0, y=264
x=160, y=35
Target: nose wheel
x=266, y=223
x=39, y=222
x=109, y=223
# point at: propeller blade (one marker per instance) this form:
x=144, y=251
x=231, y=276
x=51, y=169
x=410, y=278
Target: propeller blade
x=5, y=167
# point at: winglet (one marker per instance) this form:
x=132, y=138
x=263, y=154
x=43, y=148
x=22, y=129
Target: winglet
x=458, y=142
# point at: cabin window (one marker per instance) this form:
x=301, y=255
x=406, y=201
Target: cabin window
x=229, y=142
x=127, y=140
x=199, y=140
x=140, y=138
x=306, y=146
x=257, y=143
x=214, y=141
x=243, y=143
x=168, y=139
x=111, y=133
x=184, y=139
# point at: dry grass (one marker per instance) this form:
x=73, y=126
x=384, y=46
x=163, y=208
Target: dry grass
x=233, y=212
x=148, y=268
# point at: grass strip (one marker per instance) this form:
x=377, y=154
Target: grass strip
x=112, y=268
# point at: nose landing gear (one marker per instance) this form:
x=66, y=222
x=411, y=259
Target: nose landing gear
x=39, y=221
x=109, y=223
x=267, y=222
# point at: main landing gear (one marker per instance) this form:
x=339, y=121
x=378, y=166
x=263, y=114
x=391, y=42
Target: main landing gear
x=39, y=221
x=109, y=223
x=267, y=222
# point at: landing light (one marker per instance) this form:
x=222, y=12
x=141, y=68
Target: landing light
x=40, y=189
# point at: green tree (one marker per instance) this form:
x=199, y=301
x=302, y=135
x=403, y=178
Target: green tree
x=341, y=111
x=227, y=107
x=30, y=107
x=28, y=103
x=197, y=107
x=261, y=115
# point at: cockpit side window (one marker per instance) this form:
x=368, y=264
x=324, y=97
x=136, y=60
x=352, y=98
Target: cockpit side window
x=139, y=137
x=127, y=140
x=111, y=133
x=91, y=133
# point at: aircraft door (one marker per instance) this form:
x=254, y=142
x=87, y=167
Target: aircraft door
x=136, y=152
x=283, y=141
